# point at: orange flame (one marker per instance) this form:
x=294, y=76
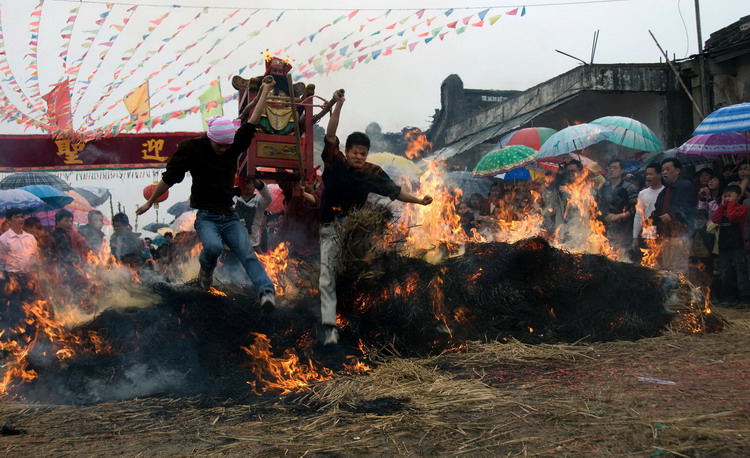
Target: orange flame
x=282, y=375
x=418, y=145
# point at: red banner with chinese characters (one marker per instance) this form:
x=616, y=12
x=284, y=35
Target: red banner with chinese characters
x=126, y=151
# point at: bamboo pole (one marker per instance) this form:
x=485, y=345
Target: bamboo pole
x=679, y=78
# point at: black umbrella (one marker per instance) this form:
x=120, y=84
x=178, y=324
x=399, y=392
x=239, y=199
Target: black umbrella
x=20, y=179
x=685, y=159
x=179, y=208
x=95, y=196
x=468, y=183
x=153, y=227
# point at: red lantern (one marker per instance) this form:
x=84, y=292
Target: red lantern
x=148, y=191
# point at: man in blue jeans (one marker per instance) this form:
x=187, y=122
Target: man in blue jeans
x=211, y=159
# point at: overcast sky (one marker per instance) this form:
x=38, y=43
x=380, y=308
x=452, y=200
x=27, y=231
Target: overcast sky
x=396, y=90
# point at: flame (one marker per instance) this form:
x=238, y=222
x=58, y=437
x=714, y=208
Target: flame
x=281, y=269
x=355, y=366
x=417, y=144
x=39, y=326
x=284, y=374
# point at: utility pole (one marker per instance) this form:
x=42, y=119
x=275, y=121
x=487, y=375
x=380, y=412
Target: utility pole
x=701, y=60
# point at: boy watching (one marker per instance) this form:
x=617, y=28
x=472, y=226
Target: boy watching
x=731, y=216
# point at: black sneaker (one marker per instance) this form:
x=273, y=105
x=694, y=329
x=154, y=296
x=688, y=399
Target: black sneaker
x=267, y=301
x=205, y=278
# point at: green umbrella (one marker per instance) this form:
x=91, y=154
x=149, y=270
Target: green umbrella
x=630, y=133
x=504, y=160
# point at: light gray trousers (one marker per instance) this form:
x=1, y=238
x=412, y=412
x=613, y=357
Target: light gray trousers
x=329, y=267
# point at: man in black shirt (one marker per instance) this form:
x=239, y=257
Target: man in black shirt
x=347, y=180
x=674, y=216
x=211, y=159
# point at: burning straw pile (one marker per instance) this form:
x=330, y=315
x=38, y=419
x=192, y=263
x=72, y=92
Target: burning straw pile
x=219, y=344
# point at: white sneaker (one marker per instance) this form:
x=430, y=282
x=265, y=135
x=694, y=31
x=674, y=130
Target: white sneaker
x=268, y=301
x=331, y=336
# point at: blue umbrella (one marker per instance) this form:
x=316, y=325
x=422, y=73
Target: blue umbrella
x=18, y=198
x=52, y=197
x=573, y=138
x=516, y=174
x=732, y=118
x=179, y=208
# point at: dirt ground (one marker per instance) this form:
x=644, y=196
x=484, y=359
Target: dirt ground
x=693, y=399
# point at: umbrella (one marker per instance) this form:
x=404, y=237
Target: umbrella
x=553, y=163
x=17, y=180
x=79, y=202
x=517, y=174
x=179, y=208
x=467, y=183
x=632, y=166
x=685, y=159
x=154, y=227
x=573, y=138
x=533, y=137
x=18, y=198
x=504, y=160
x=390, y=161
x=732, y=118
x=630, y=133
x=94, y=195
x=723, y=143
x=52, y=197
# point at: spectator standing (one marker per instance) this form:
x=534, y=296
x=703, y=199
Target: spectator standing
x=126, y=246
x=673, y=214
x=92, y=231
x=251, y=208
x=645, y=205
x=617, y=199
x=731, y=216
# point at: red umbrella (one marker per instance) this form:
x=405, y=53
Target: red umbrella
x=533, y=137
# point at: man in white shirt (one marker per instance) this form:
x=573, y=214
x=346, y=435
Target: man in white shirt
x=645, y=205
x=18, y=249
x=19, y=254
x=252, y=207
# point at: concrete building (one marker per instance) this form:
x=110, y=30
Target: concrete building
x=650, y=93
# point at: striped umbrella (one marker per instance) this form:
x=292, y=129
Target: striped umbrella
x=630, y=133
x=715, y=144
x=20, y=179
x=732, y=118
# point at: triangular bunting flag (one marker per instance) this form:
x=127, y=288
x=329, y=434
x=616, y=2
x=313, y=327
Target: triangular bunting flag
x=483, y=13
x=494, y=19
x=419, y=13
x=512, y=12
x=452, y=25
